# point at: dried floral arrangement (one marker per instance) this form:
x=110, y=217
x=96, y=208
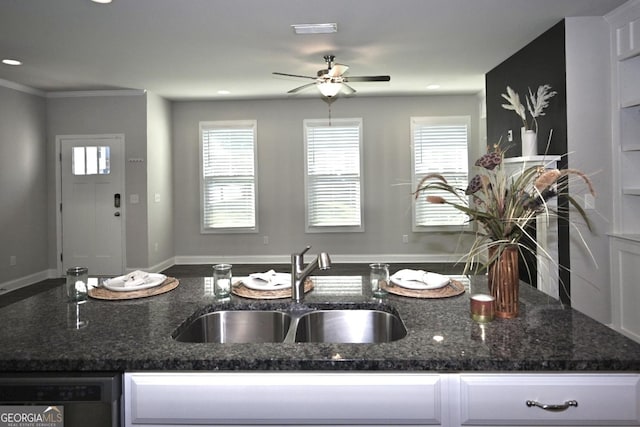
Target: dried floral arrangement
x=536, y=103
x=504, y=204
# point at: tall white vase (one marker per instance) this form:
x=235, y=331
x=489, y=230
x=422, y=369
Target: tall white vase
x=529, y=142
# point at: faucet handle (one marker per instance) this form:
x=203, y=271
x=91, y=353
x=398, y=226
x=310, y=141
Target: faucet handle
x=305, y=250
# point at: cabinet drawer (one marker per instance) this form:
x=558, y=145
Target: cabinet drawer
x=282, y=398
x=502, y=399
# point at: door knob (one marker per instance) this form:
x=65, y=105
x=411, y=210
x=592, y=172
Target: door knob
x=116, y=214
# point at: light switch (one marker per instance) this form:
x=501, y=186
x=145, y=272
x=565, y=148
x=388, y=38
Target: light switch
x=156, y=197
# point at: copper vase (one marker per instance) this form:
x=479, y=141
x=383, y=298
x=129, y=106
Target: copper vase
x=504, y=280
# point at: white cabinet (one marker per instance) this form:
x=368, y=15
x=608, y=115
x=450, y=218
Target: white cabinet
x=548, y=399
x=625, y=66
x=625, y=241
x=380, y=398
x=625, y=285
x=282, y=398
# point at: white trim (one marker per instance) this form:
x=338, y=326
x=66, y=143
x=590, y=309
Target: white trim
x=157, y=268
x=94, y=93
x=59, y=139
x=22, y=88
x=337, y=258
x=31, y=279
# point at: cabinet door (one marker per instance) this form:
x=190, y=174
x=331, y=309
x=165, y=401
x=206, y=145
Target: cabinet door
x=282, y=398
x=625, y=271
x=514, y=400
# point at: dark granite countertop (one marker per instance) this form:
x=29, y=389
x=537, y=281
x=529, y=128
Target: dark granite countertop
x=135, y=335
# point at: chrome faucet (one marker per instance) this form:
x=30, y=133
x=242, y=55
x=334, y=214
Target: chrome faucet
x=299, y=273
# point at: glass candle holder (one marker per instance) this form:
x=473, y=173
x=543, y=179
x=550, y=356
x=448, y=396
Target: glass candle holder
x=76, y=286
x=482, y=308
x=222, y=280
x=379, y=277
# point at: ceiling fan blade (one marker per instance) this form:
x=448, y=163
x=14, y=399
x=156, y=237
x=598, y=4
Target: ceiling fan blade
x=367, y=78
x=294, y=75
x=337, y=70
x=303, y=87
x=347, y=90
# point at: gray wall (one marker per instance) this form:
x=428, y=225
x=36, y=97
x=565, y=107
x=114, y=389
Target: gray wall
x=23, y=185
x=159, y=183
x=387, y=172
x=121, y=114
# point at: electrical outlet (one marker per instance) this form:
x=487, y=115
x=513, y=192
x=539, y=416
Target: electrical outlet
x=405, y=238
x=155, y=247
x=589, y=201
x=13, y=260
x=265, y=240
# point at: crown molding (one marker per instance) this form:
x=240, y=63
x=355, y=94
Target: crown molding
x=22, y=88
x=95, y=93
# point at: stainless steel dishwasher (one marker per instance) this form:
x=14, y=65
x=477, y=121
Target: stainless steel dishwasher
x=61, y=399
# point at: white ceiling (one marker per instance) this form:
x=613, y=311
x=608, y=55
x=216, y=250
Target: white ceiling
x=191, y=49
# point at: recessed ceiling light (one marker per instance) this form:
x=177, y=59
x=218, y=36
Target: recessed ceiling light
x=433, y=87
x=223, y=92
x=9, y=61
x=101, y=1
x=315, y=28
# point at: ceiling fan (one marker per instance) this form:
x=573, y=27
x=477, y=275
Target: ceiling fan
x=331, y=80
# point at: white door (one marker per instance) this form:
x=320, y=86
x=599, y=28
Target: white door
x=92, y=196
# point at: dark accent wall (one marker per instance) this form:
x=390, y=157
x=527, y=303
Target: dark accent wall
x=543, y=61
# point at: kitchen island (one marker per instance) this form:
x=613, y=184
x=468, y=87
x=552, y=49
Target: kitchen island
x=38, y=334
x=550, y=366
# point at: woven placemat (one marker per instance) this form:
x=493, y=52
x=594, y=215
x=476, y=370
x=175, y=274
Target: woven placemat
x=451, y=290
x=169, y=284
x=241, y=290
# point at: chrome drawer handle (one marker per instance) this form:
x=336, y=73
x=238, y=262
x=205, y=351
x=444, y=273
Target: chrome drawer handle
x=553, y=408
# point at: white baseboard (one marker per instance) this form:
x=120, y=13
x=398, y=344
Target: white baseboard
x=163, y=265
x=337, y=258
x=21, y=282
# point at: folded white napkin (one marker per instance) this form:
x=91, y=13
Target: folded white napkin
x=272, y=278
x=410, y=275
x=428, y=278
x=135, y=278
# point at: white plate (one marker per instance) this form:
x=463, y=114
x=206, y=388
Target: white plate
x=430, y=281
x=280, y=281
x=117, y=284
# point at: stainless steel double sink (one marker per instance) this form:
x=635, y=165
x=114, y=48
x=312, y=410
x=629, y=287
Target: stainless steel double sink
x=294, y=325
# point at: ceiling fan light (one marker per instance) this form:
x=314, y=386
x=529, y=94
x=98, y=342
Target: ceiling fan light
x=315, y=28
x=329, y=89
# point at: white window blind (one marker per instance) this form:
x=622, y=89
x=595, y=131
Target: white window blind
x=228, y=176
x=332, y=178
x=440, y=145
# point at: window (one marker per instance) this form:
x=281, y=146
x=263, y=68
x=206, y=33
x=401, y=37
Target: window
x=439, y=145
x=332, y=175
x=228, y=176
x=91, y=160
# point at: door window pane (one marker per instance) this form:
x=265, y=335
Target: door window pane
x=90, y=160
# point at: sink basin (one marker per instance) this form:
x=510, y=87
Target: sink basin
x=349, y=326
x=237, y=326
x=354, y=325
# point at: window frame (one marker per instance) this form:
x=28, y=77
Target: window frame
x=341, y=122
x=228, y=124
x=415, y=177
